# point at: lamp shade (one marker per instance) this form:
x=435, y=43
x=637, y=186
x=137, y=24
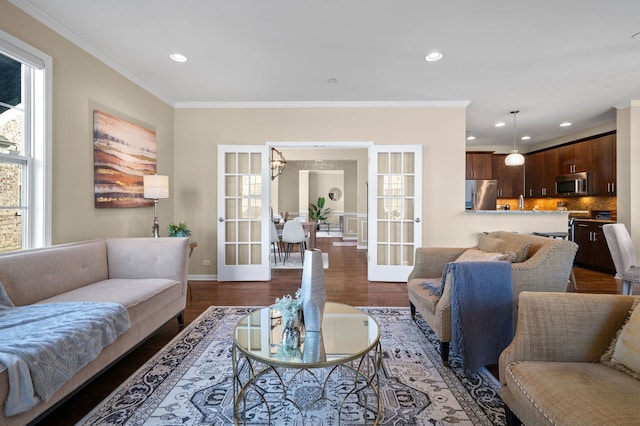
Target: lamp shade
x=156, y=186
x=514, y=159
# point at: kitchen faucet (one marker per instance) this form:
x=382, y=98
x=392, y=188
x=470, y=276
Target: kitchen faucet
x=521, y=202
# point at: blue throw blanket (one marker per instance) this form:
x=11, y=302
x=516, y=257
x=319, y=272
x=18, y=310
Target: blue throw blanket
x=481, y=312
x=43, y=346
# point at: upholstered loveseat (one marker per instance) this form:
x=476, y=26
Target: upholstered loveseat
x=539, y=264
x=148, y=276
x=563, y=366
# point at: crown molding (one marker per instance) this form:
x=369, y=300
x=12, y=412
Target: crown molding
x=322, y=104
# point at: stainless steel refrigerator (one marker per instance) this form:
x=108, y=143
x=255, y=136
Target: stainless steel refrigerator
x=481, y=194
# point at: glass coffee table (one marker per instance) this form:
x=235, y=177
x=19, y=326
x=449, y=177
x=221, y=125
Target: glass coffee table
x=332, y=373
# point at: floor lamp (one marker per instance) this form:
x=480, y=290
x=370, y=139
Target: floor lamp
x=156, y=187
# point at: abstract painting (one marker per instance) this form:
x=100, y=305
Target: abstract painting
x=123, y=152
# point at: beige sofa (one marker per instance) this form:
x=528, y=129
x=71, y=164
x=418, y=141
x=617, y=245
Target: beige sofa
x=146, y=275
x=550, y=374
x=546, y=266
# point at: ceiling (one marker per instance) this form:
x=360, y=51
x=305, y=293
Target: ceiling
x=555, y=61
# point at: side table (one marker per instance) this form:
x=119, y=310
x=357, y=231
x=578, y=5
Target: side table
x=337, y=368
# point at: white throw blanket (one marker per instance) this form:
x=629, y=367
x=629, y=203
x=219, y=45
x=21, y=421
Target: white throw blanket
x=43, y=346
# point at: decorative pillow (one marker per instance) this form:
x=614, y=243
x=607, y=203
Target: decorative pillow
x=498, y=245
x=475, y=255
x=624, y=351
x=4, y=298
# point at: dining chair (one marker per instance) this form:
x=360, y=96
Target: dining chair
x=275, y=243
x=623, y=255
x=293, y=233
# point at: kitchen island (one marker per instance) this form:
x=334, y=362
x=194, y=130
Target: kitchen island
x=520, y=221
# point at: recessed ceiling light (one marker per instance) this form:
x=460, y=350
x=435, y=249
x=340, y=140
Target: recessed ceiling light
x=525, y=138
x=333, y=80
x=433, y=57
x=471, y=138
x=500, y=124
x=178, y=57
x=565, y=124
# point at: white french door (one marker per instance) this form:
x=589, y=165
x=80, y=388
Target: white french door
x=395, y=210
x=243, y=204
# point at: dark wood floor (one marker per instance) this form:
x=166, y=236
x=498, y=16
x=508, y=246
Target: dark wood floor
x=346, y=281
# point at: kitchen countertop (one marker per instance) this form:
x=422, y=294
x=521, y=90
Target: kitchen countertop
x=586, y=219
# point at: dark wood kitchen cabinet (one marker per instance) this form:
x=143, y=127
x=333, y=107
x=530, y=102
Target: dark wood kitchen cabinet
x=603, y=165
x=574, y=158
x=540, y=174
x=593, y=251
x=510, y=179
x=478, y=165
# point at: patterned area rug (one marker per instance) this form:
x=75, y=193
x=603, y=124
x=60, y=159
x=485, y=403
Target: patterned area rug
x=189, y=381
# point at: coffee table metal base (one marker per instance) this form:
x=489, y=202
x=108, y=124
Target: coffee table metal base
x=269, y=389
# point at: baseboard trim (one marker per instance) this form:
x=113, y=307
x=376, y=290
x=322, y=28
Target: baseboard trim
x=202, y=277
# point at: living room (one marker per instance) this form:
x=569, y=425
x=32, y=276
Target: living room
x=188, y=136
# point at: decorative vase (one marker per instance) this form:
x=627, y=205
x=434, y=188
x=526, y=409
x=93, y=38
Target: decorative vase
x=313, y=350
x=312, y=290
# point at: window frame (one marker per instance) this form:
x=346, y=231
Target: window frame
x=37, y=141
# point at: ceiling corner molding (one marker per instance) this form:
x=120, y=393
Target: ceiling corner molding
x=322, y=104
x=49, y=22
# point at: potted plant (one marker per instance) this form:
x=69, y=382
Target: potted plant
x=317, y=212
x=179, y=230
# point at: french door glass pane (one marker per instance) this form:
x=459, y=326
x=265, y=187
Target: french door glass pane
x=243, y=205
x=395, y=208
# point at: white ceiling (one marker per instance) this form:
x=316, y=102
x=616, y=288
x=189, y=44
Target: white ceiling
x=555, y=61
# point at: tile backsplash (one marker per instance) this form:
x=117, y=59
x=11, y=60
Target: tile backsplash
x=574, y=203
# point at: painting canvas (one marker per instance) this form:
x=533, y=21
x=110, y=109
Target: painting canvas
x=123, y=153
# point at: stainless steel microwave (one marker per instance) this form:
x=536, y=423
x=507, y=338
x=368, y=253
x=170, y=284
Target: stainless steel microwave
x=573, y=185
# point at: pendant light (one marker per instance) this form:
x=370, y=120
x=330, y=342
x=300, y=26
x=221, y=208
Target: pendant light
x=515, y=158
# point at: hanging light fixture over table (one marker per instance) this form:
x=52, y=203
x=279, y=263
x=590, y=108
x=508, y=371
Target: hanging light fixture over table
x=515, y=158
x=277, y=163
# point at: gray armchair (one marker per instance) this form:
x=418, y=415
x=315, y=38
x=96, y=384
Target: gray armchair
x=547, y=267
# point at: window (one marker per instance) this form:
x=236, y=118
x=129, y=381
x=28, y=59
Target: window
x=25, y=180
